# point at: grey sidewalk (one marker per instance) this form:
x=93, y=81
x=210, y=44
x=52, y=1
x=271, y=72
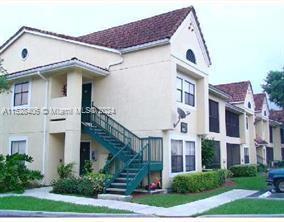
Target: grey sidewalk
x=183, y=210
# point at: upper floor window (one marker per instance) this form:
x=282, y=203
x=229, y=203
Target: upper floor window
x=21, y=94
x=249, y=105
x=264, y=113
x=213, y=116
x=179, y=84
x=190, y=56
x=185, y=91
x=232, y=124
x=189, y=93
x=24, y=53
x=247, y=123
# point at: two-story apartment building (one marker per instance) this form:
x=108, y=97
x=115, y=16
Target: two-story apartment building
x=276, y=130
x=238, y=132
x=263, y=137
x=141, y=72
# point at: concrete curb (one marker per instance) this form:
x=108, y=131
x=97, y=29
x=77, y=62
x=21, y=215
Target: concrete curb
x=22, y=213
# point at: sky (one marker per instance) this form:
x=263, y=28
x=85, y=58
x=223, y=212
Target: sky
x=245, y=38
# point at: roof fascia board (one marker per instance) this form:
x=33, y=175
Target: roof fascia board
x=58, y=38
x=234, y=108
x=218, y=93
x=145, y=46
x=57, y=67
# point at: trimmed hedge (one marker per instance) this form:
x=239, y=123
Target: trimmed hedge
x=89, y=185
x=198, y=182
x=244, y=170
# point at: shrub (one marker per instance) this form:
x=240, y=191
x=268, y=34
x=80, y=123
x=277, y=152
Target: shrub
x=88, y=167
x=14, y=174
x=207, y=147
x=244, y=170
x=98, y=180
x=261, y=168
x=88, y=185
x=66, y=186
x=197, y=182
x=65, y=171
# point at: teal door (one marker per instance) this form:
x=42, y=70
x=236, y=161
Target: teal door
x=86, y=101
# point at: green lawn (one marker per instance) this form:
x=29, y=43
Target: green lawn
x=35, y=204
x=251, y=183
x=250, y=206
x=173, y=199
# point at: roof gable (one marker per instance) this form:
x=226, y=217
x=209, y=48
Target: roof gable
x=259, y=100
x=277, y=115
x=237, y=90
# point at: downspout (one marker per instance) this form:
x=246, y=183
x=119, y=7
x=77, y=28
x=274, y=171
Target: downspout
x=117, y=62
x=44, y=121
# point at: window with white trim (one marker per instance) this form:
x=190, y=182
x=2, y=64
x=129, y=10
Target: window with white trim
x=21, y=94
x=246, y=154
x=189, y=156
x=189, y=89
x=177, y=155
x=179, y=84
x=18, y=146
x=185, y=91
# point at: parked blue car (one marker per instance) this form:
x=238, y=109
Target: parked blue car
x=276, y=179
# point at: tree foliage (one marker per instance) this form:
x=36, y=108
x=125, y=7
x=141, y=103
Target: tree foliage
x=4, y=85
x=274, y=87
x=207, y=147
x=14, y=174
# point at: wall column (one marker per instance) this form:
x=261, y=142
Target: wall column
x=73, y=121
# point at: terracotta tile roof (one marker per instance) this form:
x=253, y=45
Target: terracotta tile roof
x=140, y=32
x=236, y=90
x=277, y=115
x=151, y=29
x=258, y=100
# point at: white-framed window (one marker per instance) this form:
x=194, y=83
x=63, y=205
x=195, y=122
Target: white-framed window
x=189, y=156
x=183, y=156
x=18, y=145
x=185, y=91
x=247, y=123
x=179, y=85
x=21, y=94
x=177, y=155
x=246, y=155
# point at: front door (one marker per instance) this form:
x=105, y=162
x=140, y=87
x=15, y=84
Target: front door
x=86, y=101
x=233, y=155
x=84, y=155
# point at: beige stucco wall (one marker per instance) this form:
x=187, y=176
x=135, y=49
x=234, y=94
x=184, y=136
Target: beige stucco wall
x=43, y=50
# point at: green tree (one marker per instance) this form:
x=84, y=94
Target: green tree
x=274, y=87
x=4, y=85
x=207, y=147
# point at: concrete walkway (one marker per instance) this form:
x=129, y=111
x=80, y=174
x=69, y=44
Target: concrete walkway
x=183, y=210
